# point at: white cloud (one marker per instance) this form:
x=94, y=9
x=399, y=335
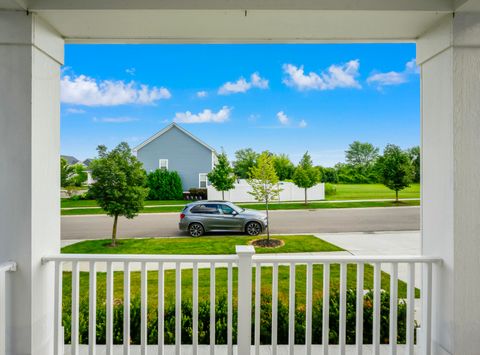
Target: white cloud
x=283, y=118
x=83, y=90
x=205, y=116
x=130, y=71
x=337, y=76
x=242, y=85
x=75, y=111
x=391, y=78
x=115, y=119
x=202, y=94
x=302, y=124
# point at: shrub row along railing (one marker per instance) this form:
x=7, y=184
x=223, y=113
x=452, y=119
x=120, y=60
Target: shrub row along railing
x=238, y=300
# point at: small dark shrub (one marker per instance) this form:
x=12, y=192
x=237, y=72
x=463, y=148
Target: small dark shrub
x=198, y=194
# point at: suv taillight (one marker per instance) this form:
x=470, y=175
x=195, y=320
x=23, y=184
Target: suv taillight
x=182, y=216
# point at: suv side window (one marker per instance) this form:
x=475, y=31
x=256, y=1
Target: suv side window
x=226, y=209
x=205, y=209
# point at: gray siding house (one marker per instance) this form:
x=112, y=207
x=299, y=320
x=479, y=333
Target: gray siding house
x=174, y=148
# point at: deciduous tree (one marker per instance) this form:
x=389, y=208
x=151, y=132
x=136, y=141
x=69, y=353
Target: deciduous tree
x=283, y=167
x=264, y=182
x=222, y=176
x=245, y=159
x=306, y=175
x=395, y=169
x=119, y=183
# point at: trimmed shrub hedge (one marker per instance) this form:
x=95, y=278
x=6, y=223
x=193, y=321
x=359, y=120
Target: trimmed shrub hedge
x=164, y=185
x=221, y=321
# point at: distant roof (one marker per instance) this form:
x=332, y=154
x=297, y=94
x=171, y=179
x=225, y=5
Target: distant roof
x=70, y=160
x=165, y=130
x=87, y=162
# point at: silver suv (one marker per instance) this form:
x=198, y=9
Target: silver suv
x=220, y=216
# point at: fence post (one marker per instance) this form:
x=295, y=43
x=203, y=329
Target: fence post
x=244, y=330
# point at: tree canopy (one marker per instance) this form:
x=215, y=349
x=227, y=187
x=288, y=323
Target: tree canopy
x=119, y=183
x=245, y=159
x=222, y=176
x=306, y=175
x=361, y=154
x=283, y=167
x=395, y=168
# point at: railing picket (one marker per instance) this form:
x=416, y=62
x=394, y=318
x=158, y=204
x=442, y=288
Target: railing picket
x=212, y=308
x=75, y=306
x=126, y=308
x=57, y=326
x=178, y=308
x=359, y=315
x=427, y=309
x=258, y=273
x=195, y=309
x=161, y=310
x=376, y=308
x=92, y=314
x=109, y=335
x=308, y=307
x=230, y=310
x=411, y=308
x=274, y=308
x=326, y=307
x=291, y=311
x=343, y=307
x=393, y=308
x=143, y=315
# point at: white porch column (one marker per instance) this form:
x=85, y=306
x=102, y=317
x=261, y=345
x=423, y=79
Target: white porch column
x=449, y=55
x=30, y=57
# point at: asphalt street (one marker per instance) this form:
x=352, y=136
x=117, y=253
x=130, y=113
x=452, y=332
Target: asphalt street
x=293, y=221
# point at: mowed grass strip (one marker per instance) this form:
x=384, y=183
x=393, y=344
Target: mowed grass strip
x=261, y=207
x=199, y=246
x=371, y=191
x=221, y=284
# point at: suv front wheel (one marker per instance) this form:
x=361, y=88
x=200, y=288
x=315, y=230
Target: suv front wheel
x=253, y=229
x=196, y=230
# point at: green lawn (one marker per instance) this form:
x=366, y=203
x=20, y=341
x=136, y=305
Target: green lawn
x=67, y=203
x=273, y=206
x=371, y=191
x=214, y=245
x=198, y=246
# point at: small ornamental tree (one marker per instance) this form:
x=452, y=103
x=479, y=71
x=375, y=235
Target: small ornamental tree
x=264, y=182
x=395, y=169
x=119, y=183
x=80, y=175
x=222, y=176
x=306, y=175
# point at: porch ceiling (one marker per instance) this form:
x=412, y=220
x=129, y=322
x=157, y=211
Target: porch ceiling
x=234, y=21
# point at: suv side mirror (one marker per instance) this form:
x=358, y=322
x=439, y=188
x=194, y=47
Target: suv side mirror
x=234, y=213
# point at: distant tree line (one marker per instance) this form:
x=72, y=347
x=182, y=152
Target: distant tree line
x=363, y=165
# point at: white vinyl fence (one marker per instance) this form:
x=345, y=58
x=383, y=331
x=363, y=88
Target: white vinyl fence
x=290, y=192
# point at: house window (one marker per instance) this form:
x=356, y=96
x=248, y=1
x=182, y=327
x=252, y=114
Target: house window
x=202, y=180
x=163, y=164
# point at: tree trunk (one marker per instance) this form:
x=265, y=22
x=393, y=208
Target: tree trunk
x=396, y=196
x=223, y=195
x=306, y=200
x=114, y=231
x=268, y=221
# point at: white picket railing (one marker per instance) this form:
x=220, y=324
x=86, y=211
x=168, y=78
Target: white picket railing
x=248, y=264
x=4, y=268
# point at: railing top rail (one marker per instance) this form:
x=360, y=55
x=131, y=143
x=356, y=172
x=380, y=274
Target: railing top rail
x=142, y=258
x=8, y=266
x=339, y=259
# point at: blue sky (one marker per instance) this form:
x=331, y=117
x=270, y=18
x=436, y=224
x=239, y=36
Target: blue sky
x=281, y=98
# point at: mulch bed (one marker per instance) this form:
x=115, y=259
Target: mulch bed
x=267, y=243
